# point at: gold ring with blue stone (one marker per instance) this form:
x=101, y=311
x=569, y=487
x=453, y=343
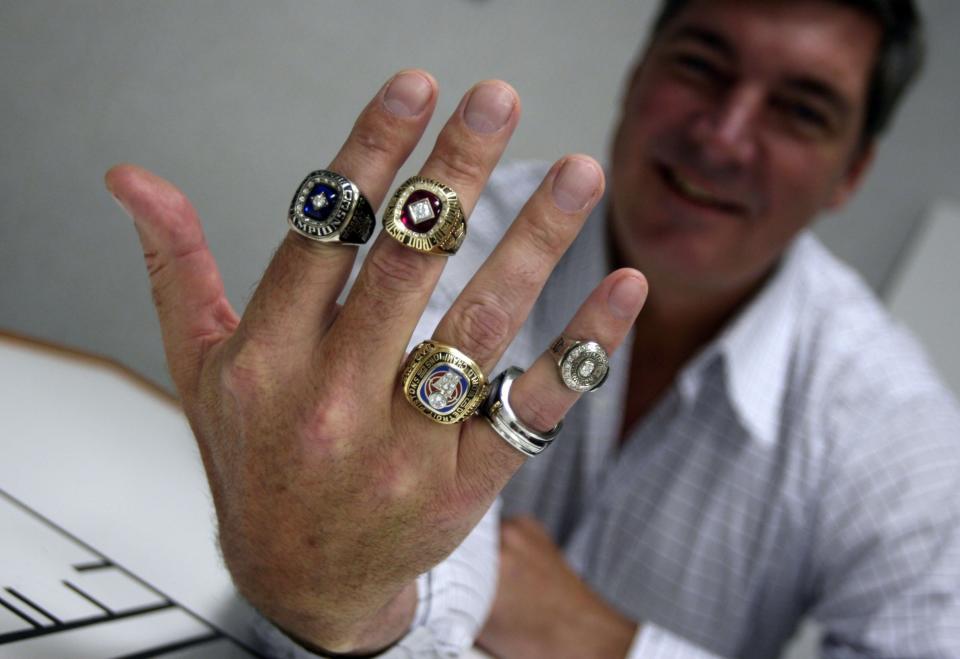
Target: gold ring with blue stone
x=329, y=208
x=443, y=383
x=426, y=215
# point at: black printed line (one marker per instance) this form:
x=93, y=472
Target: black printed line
x=76, y=624
x=17, y=612
x=84, y=567
x=108, y=563
x=86, y=596
x=33, y=605
x=171, y=647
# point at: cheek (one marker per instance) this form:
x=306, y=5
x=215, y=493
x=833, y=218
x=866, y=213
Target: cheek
x=655, y=107
x=801, y=184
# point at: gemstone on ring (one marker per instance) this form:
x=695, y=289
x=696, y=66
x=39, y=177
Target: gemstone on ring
x=583, y=365
x=426, y=215
x=421, y=211
x=320, y=202
x=328, y=207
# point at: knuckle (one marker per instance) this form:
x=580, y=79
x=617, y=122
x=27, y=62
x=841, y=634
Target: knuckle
x=179, y=226
x=243, y=372
x=395, y=271
x=326, y=427
x=155, y=264
x=511, y=534
x=460, y=165
x=398, y=483
x=372, y=143
x=527, y=525
x=482, y=327
x=544, y=235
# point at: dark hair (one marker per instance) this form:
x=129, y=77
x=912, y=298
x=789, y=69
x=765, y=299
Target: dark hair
x=899, y=58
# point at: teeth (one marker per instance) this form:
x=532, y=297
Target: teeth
x=694, y=191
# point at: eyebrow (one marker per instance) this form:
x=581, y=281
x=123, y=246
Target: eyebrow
x=804, y=84
x=705, y=37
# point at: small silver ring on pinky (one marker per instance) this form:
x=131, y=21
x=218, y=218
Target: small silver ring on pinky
x=499, y=414
x=583, y=365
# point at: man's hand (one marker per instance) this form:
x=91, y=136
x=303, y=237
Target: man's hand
x=543, y=609
x=332, y=493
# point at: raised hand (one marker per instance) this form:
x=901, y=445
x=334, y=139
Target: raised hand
x=332, y=492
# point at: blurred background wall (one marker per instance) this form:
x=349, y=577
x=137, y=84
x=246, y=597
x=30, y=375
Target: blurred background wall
x=235, y=101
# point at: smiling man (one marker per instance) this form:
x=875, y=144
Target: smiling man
x=770, y=446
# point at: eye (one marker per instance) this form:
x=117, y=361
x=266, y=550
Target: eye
x=804, y=115
x=699, y=66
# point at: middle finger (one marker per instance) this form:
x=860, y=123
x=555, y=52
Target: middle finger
x=395, y=282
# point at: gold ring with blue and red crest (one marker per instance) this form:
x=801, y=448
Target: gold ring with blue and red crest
x=426, y=215
x=443, y=383
x=329, y=208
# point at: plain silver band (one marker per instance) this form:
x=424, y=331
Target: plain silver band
x=498, y=412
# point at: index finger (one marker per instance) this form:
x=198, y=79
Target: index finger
x=298, y=291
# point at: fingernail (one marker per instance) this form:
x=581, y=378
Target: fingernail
x=626, y=298
x=407, y=94
x=489, y=107
x=575, y=185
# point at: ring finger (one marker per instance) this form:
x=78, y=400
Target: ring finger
x=538, y=397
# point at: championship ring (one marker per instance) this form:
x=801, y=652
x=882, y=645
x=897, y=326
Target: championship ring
x=426, y=215
x=328, y=207
x=443, y=383
x=583, y=365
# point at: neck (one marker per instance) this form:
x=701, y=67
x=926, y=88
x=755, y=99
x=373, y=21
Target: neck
x=676, y=323
x=678, y=320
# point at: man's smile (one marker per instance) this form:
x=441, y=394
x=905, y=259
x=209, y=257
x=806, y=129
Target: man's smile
x=698, y=194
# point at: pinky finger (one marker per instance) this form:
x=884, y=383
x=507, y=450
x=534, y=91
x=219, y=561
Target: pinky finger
x=538, y=397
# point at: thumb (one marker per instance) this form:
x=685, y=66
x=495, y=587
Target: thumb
x=187, y=290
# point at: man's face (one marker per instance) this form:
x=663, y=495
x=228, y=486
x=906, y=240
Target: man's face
x=740, y=125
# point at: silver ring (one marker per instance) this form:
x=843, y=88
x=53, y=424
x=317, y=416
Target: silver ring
x=329, y=208
x=497, y=411
x=583, y=365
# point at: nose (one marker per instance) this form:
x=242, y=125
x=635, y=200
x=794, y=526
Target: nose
x=727, y=131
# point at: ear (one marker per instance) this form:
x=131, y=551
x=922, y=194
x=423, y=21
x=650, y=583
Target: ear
x=853, y=177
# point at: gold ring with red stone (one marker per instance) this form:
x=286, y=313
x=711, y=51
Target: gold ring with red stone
x=426, y=215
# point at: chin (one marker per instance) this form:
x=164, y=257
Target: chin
x=676, y=252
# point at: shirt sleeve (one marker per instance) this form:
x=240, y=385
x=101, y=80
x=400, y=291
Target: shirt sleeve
x=454, y=599
x=652, y=642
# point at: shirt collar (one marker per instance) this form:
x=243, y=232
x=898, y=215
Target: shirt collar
x=755, y=350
